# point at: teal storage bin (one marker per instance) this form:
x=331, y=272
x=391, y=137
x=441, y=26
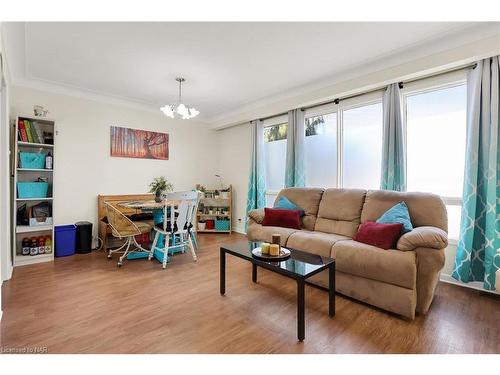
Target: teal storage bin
x=221, y=224
x=32, y=189
x=32, y=160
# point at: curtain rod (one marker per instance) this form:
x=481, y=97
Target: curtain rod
x=401, y=84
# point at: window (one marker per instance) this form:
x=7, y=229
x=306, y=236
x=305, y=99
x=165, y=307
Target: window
x=436, y=127
x=343, y=144
x=321, y=150
x=362, y=147
x=275, y=151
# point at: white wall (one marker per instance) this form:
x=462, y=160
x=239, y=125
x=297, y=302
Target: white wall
x=234, y=146
x=82, y=162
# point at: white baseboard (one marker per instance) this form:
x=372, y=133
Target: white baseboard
x=476, y=285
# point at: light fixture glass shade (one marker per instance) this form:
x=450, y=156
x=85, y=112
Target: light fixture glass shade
x=180, y=109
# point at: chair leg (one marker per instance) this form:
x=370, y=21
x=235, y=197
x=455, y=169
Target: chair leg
x=120, y=261
x=191, y=248
x=111, y=251
x=153, y=246
x=165, y=251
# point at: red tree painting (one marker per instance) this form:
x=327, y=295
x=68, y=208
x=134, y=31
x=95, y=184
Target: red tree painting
x=134, y=143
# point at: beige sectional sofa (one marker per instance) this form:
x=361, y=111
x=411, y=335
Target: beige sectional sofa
x=400, y=280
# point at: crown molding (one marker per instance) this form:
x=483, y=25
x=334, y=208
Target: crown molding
x=428, y=57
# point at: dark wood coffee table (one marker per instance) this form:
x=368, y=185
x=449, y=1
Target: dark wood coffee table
x=300, y=266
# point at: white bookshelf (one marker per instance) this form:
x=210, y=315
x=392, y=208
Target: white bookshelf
x=210, y=202
x=28, y=174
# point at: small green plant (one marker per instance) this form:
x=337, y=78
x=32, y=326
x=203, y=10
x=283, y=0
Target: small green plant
x=160, y=185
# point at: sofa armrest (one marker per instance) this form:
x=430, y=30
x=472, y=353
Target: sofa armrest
x=429, y=237
x=257, y=215
x=429, y=263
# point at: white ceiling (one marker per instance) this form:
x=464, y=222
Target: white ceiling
x=227, y=65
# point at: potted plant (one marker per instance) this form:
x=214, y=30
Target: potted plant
x=159, y=186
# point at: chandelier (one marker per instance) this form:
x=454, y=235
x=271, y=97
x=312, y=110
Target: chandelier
x=180, y=110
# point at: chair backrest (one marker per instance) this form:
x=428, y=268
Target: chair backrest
x=183, y=217
x=121, y=225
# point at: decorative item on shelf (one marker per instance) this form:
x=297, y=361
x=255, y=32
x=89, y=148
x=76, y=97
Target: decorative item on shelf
x=201, y=225
x=48, y=161
x=224, y=194
x=40, y=214
x=40, y=111
x=48, y=138
x=160, y=186
x=216, y=194
x=201, y=189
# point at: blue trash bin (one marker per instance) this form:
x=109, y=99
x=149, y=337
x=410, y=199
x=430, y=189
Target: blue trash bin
x=65, y=240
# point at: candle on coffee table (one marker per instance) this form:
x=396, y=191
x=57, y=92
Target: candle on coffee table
x=274, y=250
x=276, y=239
x=264, y=248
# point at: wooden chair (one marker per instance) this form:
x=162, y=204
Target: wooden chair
x=177, y=224
x=124, y=228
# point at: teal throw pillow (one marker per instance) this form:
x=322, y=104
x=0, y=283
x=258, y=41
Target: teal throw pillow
x=397, y=214
x=286, y=204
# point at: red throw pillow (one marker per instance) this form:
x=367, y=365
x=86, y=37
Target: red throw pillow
x=275, y=217
x=379, y=234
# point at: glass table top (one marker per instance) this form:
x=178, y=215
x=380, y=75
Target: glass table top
x=299, y=263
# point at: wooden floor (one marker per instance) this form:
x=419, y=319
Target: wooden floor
x=85, y=304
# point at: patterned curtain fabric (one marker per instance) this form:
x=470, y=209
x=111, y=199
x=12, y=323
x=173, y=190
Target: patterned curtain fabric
x=294, y=172
x=393, y=145
x=257, y=177
x=477, y=257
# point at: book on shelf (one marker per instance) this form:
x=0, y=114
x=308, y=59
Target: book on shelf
x=22, y=131
x=28, y=131
x=38, y=132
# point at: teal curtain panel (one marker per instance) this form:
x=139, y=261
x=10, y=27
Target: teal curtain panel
x=393, y=143
x=295, y=170
x=477, y=257
x=257, y=177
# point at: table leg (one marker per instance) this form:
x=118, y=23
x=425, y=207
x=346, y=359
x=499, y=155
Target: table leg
x=254, y=272
x=301, y=310
x=331, y=289
x=222, y=272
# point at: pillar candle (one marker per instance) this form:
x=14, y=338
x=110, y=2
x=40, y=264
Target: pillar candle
x=274, y=250
x=277, y=239
x=264, y=248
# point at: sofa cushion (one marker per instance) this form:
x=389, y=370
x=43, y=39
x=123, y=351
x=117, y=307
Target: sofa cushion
x=389, y=266
x=314, y=242
x=381, y=235
x=340, y=211
x=306, y=198
x=257, y=232
x=281, y=218
x=284, y=203
x=432, y=237
x=397, y=214
x=425, y=209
